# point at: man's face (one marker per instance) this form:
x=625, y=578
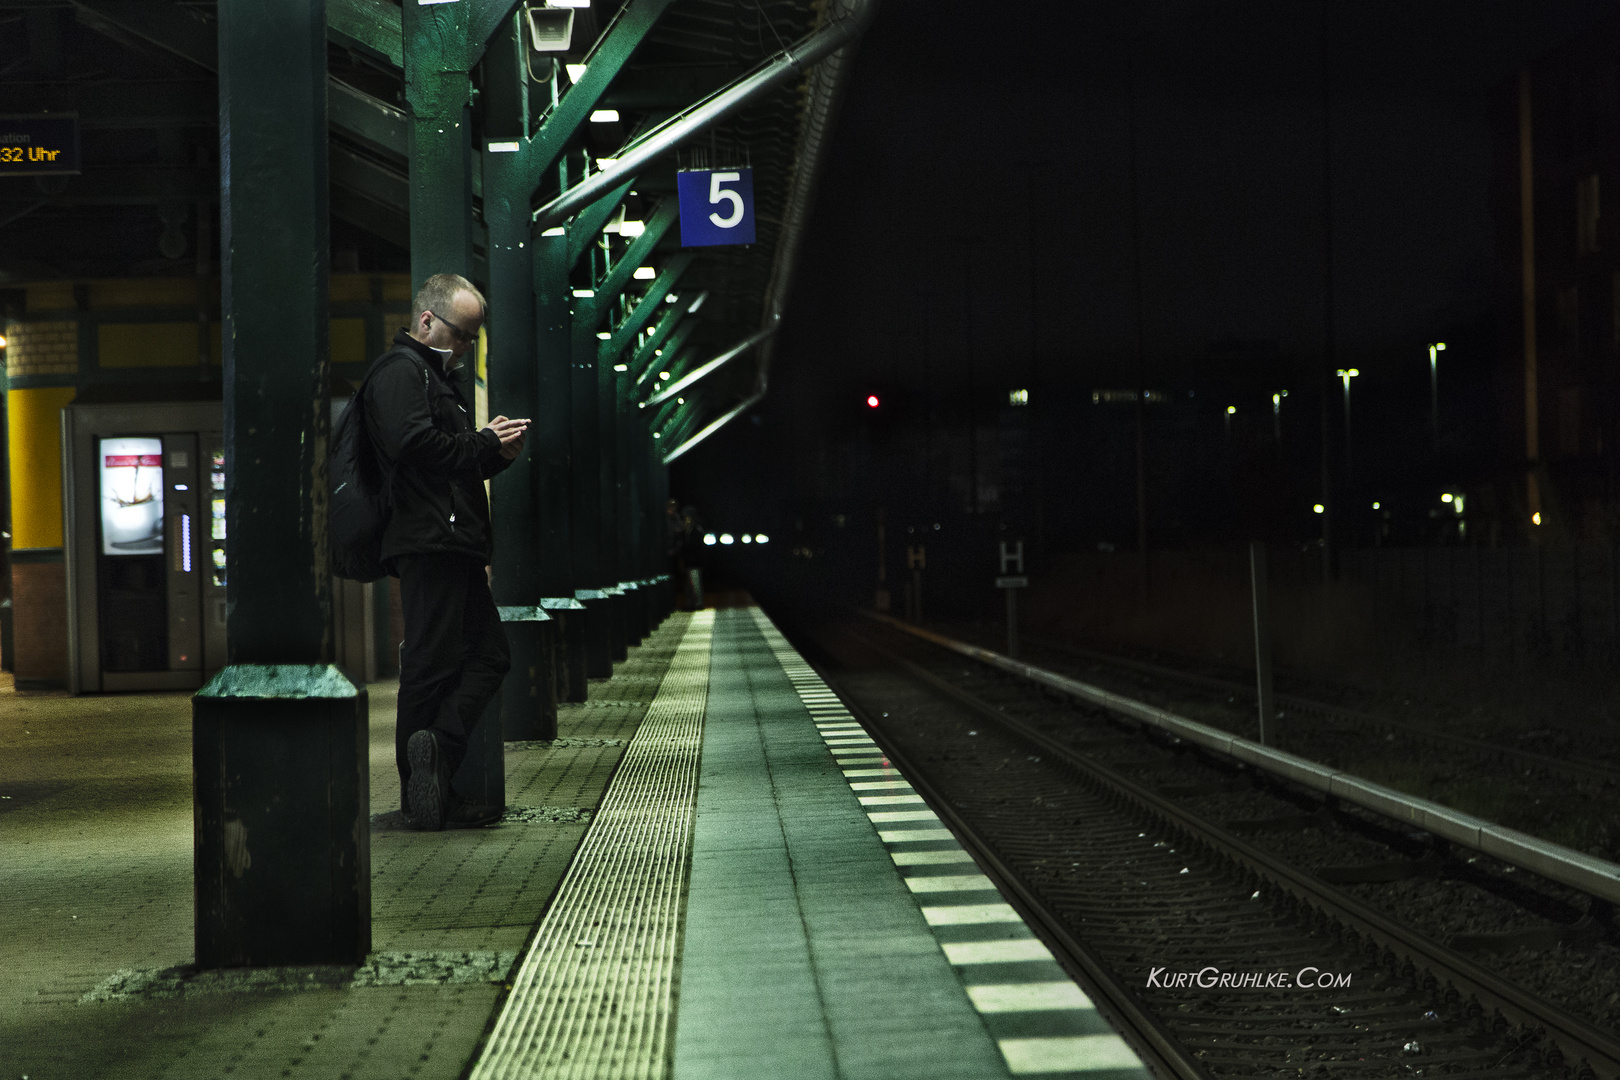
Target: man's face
x=460, y=332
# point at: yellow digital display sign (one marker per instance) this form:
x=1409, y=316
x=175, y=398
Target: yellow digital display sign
x=39, y=145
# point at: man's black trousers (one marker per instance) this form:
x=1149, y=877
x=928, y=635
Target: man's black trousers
x=455, y=651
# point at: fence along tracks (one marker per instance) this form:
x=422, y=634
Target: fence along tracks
x=1299, y=705
x=1106, y=912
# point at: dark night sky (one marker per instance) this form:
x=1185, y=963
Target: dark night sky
x=947, y=101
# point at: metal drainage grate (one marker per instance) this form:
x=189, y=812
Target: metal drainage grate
x=593, y=996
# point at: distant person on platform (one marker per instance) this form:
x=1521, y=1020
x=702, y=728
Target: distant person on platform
x=438, y=544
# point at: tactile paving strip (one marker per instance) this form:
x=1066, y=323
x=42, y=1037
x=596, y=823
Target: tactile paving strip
x=594, y=995
x=1041, y=1021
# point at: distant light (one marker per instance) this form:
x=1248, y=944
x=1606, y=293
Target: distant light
x=1446, y=497
x=603, y=164
x=658, y=352
x=680, y=401
x=1230, y=409
x=584, y=294
x=1439, y=346
x=1457, y=503
x=621, y=367
x=1354, y=372
x=576, y=72
x=1018, y=397
x=936, y=526
x=708, y=538
x=655, y=434
x=1276, y=400
x=725, y=538
x=632, y=228
x=603, y=335
x=1377, y=506
x=747, y=539
x=1318, y=508
x=605, y=116
x=702, y=296
x=643, y=273
x=2, y=341
x=761, y=538
x=1535, y=518
x=663, y=374
x=182, y=487
x=871, y=401
x=671, y=298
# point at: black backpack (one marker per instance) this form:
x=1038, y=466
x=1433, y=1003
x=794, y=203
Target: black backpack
x=361, y=498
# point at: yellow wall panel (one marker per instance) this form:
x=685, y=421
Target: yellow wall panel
x=34, y=417
x=349, y=288
x=349, y=341
x=50, y=295
x=397, y=287
x=144, y=292
x=167, y=344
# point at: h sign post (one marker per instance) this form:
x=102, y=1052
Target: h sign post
x=717, y=206
x=1011, y=580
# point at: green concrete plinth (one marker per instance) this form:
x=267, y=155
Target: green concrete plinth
x=619, y=605
x=568, y=617
x=281, y=789
x=529, y=695
x=598, y=633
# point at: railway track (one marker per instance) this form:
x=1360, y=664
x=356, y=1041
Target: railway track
x=1096, y=829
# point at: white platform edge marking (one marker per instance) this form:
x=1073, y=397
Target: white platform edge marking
x=1023, y=1056
x=603, y=1009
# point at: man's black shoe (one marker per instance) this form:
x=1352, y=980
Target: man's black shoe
x=466, y=814
x=428, y=790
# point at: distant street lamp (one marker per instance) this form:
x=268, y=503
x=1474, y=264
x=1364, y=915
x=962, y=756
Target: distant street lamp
x=1435, y=350
x=1276, y=414
x=1345, y=375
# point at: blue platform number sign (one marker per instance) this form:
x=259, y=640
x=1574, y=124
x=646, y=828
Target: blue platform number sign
x=717, y=206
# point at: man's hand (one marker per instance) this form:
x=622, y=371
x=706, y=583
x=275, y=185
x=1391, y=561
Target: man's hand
x=511, y=433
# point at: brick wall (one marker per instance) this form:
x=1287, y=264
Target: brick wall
x=42, y=348
x=39, y=611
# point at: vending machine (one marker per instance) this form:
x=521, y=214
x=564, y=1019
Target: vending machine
x=143, y=487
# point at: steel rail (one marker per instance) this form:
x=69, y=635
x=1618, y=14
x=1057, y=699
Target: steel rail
x=1574, y=869
x=1577, y=1039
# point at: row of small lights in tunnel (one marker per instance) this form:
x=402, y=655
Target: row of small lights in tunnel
x=726, y=538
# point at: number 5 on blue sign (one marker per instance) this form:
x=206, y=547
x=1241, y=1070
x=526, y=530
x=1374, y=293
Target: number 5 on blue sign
x=717, y=206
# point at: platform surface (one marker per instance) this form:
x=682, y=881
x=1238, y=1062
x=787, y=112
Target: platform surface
x=713, y=873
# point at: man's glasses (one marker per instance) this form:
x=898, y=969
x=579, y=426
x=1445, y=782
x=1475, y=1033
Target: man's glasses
x=457, y=332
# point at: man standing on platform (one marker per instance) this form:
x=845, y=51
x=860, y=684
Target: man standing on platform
x=438, y=543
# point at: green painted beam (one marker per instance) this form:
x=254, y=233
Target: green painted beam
x=641, y=316
x=641, y=361
x=592, y=313
x=552, y=431
x=168, y=26
x=373, y=27
x=606, y=60
x=587, y=225
x=275, y=248
x=368, y=120
x=488, y=18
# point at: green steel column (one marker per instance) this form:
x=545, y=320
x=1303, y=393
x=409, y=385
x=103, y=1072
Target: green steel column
x=281, y=851
x=273, y=201
x=438, y=92
x=528, y=695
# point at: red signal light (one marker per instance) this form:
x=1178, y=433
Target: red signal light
x=871, y=401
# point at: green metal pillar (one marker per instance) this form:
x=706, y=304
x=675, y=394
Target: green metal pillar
x=282, y=861
x=529, y=693
x=438, y=92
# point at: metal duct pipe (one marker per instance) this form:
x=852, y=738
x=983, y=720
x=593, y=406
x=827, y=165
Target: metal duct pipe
x=850, y=22
x=710, y=430
x=697, y=373
x=826, y=87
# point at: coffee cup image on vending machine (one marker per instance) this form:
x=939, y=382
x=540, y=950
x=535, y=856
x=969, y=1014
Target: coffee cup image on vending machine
x=131, y=496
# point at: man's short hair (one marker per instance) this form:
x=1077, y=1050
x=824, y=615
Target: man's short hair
x=439, y=291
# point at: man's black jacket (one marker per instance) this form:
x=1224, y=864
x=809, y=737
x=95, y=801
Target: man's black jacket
x=417, y=417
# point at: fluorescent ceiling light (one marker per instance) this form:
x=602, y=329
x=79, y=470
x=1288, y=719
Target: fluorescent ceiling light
x=556, y=230
x=605, y=116
x=621, y=367
x=761, y=538
x=702, y=296
x=603, y=164
x=708, y=538
x=663, y=374
x=603, y=335
x=585, y=294
x=725, y=538
x=632, y=228
x=645, y=273
x=576, y=72
x=569, y=3
x=670, y=299
x=503, y=147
